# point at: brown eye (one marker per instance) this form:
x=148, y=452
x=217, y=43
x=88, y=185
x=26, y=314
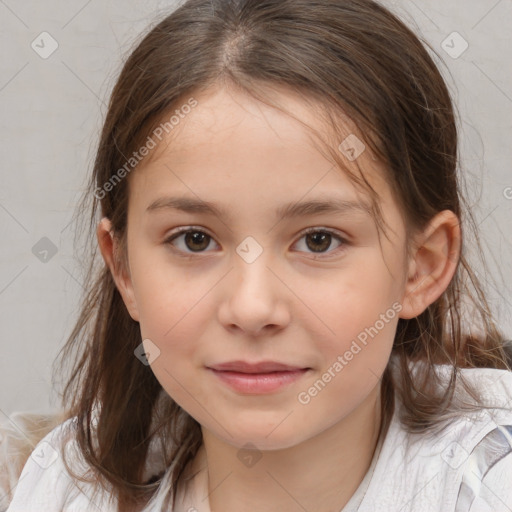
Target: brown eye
x=319, y=241
x=190, y=241
x=196, y=240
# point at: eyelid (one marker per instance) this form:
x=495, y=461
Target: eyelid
x=322, y=229
x=185, y=229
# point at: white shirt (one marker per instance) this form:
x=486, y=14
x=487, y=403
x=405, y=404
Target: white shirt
x=468, y=468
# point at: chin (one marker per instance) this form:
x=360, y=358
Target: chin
x=263, y=437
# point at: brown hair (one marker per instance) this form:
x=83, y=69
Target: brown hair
x=353, y=58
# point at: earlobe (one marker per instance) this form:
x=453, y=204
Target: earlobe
x=109, y=249
x=432, y=264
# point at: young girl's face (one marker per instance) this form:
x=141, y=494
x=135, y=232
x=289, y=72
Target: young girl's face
x=247, y=284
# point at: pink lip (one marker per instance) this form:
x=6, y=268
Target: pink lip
x=257, y=378
x=261, y=367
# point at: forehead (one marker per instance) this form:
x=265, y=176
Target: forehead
x=234, y=147
x=223, y=115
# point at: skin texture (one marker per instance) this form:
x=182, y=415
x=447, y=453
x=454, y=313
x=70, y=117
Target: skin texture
x=291, y=304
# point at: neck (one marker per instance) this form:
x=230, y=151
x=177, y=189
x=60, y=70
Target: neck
x=321, y=473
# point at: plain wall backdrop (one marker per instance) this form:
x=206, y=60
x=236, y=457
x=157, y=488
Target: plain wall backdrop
x=53, y=100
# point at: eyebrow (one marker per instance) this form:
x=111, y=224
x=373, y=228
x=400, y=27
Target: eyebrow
x=287, y=211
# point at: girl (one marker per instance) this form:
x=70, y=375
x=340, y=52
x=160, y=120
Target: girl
x=284, y=318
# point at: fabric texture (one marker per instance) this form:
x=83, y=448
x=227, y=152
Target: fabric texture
x=467, y=468
x=19, y=435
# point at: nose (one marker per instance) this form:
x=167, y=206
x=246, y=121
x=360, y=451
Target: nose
x=255, y=298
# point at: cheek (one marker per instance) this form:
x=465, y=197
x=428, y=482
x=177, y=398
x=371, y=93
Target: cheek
x=174, y=311
x=175, y=326
x=172, y=317
x=352, y=364
x=355, y=299
x=355, y=323
x=165, y=295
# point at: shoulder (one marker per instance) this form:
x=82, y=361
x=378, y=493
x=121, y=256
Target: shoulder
x=493, y=384
x=473, y=454
x=487, y=474
x=45, y=483
x=466, y=467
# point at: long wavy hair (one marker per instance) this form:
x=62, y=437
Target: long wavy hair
x=347, y=59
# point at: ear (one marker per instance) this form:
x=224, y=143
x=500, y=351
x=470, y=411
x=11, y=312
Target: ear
x=109, y=247
x=432, y=264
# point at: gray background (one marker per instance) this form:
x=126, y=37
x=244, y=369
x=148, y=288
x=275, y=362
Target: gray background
x=52, y=111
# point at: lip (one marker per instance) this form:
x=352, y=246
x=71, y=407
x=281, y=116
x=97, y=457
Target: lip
x=257, y=378
x=261, y=367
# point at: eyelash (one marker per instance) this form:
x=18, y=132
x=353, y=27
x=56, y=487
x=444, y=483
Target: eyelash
x=182, y=231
